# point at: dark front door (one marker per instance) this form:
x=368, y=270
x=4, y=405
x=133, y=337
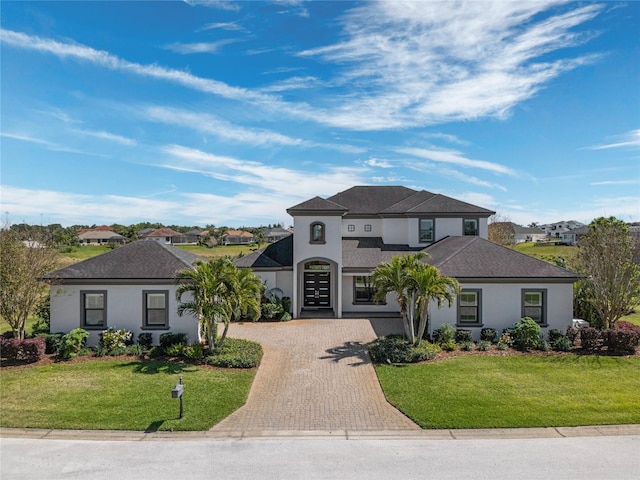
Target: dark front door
x=317, y=289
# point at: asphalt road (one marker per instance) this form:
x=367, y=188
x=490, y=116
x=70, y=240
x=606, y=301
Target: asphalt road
x=581, y=458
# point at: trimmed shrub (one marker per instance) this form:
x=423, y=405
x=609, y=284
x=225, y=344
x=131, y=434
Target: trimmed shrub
x=488, y=334
x=28, y=350
x=621, y=341
x=72, y=343
x=543, y=345
x=526, y=334
x=466, y=346
x=155, y=352
x=52, y=342
x=562, y=344
x=396, y=349
x=175, y=350
x=484, y=345
x=504, y=342
x=590, y=338
x=463, y=336
x=236, y=353
x=449, y=345
x=145, y=340
x=554, y=334
x=195, y=351
x=622, y=325
x=171, y=338
x=113, y=339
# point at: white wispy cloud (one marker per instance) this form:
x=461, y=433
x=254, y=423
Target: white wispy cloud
x=377, y=162
x=213, y=125
x=199, y=47
x=54, y=147
x=220, y=4
x=456, y=158
x=424, y=63
x=616, y=182
x=321, y=180
x=629, y=139
x=292, y=83
x=230, y=26
x=107, y=136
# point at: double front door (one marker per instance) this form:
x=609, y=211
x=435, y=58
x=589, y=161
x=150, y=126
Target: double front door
x=317, y=289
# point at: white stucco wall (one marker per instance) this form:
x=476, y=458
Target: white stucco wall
x=502, y=306
x=359, y=227
x=395, y=231
x=124, y=310
x=331, y=249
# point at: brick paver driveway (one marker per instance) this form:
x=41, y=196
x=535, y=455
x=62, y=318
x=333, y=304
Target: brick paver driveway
x=315, y=375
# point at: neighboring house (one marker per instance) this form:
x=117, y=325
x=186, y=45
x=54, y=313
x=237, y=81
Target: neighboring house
x=571, y=237
x=99, y=236
x=276, y=233
x=132, y=288
x=557, y=229
x=237, y=237
x=325, y=265
x=164, y=235
x=519, y=234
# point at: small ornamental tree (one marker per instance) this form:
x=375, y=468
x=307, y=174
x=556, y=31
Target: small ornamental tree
x=25, y=258
x=606, y=261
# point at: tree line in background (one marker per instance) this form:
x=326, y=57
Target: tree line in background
x=60, y=236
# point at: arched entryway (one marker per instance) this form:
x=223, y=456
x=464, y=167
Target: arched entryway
x=317, y=287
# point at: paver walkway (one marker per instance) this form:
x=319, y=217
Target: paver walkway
x=315, y=375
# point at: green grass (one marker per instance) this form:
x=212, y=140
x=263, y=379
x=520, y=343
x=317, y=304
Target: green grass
x=633, y=317
x=509, y=392
x=219, y=251
x=119, y=395
x=548, y=252
x=4, y=326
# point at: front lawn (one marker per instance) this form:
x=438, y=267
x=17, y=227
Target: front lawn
x=119, y=395
x=516, y=391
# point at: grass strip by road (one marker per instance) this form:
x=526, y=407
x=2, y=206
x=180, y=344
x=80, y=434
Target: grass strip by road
x=119, y=395
x=511, y=392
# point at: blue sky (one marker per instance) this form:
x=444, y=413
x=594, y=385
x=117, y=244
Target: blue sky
x=227, y=113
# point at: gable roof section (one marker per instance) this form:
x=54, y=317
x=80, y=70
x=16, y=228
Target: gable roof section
x=164, y=232
x=371, y=200
x=100, y=234
x=475, y=257
x=424, y=202
x=137, y=260
x=277, y=255
x=317, y=205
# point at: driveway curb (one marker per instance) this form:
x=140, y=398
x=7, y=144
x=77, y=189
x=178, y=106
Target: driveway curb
x=462, y=434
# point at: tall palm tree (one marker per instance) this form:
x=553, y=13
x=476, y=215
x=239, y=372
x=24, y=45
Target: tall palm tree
x=428, y=285
x=416, y=284
x=219, y=293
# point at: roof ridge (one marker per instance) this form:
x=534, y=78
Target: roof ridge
x=458, y=251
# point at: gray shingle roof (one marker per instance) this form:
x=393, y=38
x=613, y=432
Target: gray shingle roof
x=316, y=205
x=424, y=202
x=137, y=260
x=475, y=257
x=371, y=200
x=363, y=253
x=276, y=255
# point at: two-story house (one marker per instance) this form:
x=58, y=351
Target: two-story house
x=325, y=266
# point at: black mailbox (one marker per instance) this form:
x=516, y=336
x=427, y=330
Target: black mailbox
x=177, y=391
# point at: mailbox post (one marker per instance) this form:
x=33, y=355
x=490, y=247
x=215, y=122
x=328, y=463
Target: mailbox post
x=177, y=392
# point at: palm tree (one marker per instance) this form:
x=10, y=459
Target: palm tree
x=416, y=284
x=219, y=293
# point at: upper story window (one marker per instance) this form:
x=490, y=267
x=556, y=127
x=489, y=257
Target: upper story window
x=317, y=234
x=93, y=309
x=351, y=228
x=156, y=313
x=470, y=227
x=427, y=231
x=367, y=228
